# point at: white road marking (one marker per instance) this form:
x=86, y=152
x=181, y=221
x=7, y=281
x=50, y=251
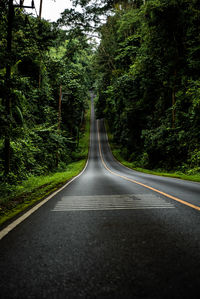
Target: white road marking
x=16, y=222
x=111, y=202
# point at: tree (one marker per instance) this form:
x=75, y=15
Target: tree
x=32, y=125
x=148, y=67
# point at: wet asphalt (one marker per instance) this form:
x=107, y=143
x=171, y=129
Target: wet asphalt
x=106, y=237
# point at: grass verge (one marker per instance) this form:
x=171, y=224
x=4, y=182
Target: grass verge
x=116, y=153
x=31, y=191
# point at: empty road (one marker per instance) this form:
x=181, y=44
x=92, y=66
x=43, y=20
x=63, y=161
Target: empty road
x=111, y=233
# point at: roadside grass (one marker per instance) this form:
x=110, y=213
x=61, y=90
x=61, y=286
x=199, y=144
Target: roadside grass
x=116, y=153
x=30, y=191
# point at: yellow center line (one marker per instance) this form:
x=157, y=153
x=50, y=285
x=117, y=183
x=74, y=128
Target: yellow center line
x=141, y=184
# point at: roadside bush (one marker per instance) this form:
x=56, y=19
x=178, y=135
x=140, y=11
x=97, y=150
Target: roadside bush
x=165, y=147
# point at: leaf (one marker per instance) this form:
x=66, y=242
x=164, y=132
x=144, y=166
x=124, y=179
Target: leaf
x=19, y=115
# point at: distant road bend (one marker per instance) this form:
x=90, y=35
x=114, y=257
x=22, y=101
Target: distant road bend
x=111, y=233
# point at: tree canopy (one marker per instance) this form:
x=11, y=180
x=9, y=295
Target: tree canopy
x=43, y=100
x=145, y=72
x=148, y=78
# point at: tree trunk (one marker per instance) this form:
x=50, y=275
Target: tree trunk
x=8, y=94
x=173, y=107
x=59, y=107
x=59, y=121
x=174, y=100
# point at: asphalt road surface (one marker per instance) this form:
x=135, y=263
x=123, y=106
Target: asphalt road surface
x=111, y=233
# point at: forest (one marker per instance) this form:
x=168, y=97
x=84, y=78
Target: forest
x=44, y=83
x=148, y=82
x=144, y=70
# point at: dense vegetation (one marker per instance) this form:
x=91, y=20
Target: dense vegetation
x=146, y=73
x=47, y=65
x=148, y=82
x=44, y=101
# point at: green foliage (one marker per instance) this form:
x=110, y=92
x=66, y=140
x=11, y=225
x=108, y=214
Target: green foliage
x=141, y=164
x=43, y=59
x=148, y=82
x=16, y=197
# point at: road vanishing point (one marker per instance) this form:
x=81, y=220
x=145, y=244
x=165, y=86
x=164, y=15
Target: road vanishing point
x=109, y=233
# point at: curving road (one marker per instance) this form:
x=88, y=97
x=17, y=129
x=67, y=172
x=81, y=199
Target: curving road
x=110, y=233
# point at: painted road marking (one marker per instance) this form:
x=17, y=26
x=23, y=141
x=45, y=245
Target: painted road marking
x=16, y=222
x=141, y=184
x=111, y=202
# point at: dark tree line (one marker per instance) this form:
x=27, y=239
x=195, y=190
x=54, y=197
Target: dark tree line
x=47, y=65
x=148, y=81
